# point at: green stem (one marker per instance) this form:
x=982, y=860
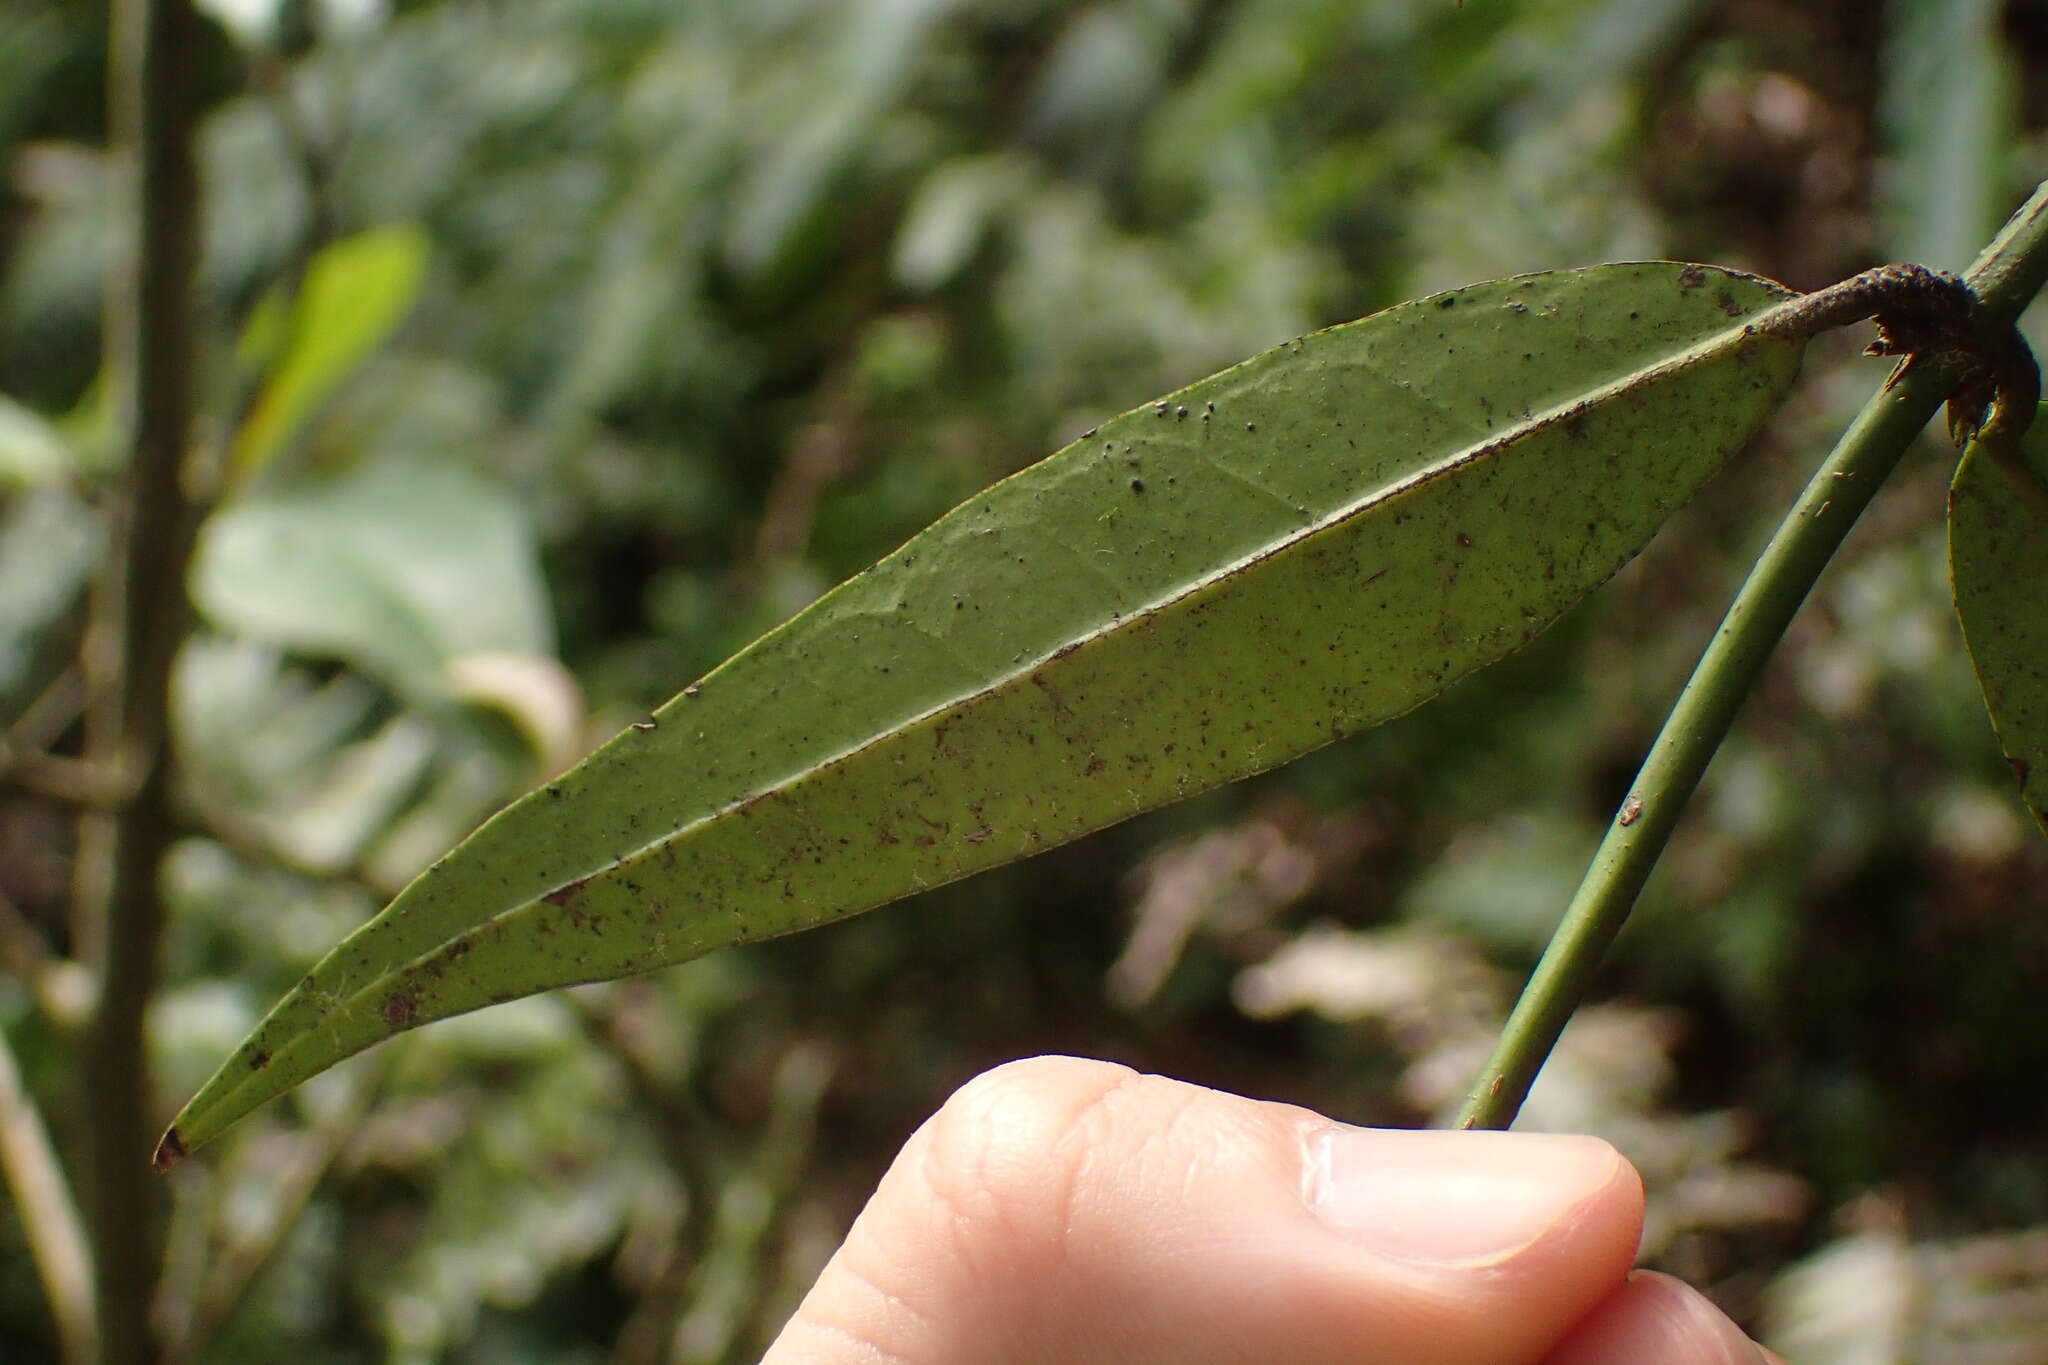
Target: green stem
x=2012, y=269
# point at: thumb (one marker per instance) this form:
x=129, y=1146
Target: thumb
x=1073, y=1211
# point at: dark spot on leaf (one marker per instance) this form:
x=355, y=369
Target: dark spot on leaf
x=1728, y=305
x=561, y=894
x=1464, y=541
x=258, y=1060
x=2019, y=769
x=1447, y=301
x=401, y=1009
x=1692, y=277
x=1137, y=485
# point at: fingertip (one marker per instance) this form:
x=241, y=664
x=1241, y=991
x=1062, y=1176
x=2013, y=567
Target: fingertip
x=1654, y=1317
x=1468, y=1199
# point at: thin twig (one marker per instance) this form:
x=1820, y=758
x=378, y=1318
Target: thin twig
x=68, y=781
x=49, y=1217
x=823, y=453
x=22, y=949
x=56, y=709
x=61, y=989
x=24, y=749
x=2009, y=273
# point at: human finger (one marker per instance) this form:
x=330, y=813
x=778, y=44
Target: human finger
x=1074, y=1211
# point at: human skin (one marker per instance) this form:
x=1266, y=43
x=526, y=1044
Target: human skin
x=1070, y=1212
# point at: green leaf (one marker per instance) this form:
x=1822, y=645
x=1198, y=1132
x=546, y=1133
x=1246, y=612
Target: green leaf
x=1308, y=544
x=355, y=293
x=1997, y=526
x=949, y=216
x=399, y=568
x=790, y=180
x=49, y=542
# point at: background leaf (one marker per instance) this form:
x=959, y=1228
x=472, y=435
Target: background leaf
x=1305, y=545
x=397, y=567
x=49, y=541
x=1998, y=526
x=355, y=292
x=33, y=452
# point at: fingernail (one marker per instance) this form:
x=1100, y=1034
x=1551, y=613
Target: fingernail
x=1450, y=1198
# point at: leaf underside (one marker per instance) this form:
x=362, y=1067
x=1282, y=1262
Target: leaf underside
x=1286, y=553
x=1998, y=561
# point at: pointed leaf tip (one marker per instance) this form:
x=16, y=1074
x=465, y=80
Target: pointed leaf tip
x=170, y=1150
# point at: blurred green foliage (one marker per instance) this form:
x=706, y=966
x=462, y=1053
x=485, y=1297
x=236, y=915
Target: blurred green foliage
x=682, y=314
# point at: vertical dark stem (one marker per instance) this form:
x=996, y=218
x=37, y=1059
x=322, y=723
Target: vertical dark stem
x=141, y=611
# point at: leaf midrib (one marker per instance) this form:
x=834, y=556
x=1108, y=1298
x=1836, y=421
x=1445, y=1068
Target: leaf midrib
x=1640, y=377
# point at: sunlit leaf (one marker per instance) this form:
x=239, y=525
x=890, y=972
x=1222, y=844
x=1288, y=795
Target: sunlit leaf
x=356, y=291
x=1308, y=544
x=1997, y=529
